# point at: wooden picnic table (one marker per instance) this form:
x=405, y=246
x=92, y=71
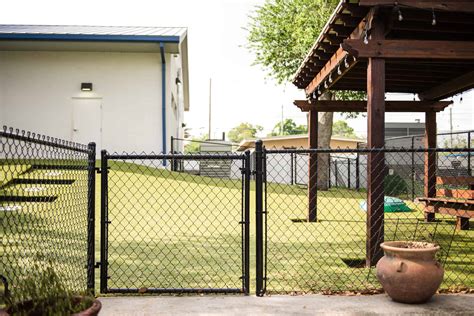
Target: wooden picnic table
x=453, y=201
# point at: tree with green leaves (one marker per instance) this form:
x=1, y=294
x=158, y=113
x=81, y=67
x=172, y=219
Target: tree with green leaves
x=341, y=128
x=280, y=34
x=288, y=127
x=243, y=131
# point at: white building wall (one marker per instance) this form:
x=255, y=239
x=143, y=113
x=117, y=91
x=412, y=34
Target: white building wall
x=37, y=89
x=174, y=102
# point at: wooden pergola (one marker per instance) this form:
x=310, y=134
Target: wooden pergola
x=378, y=46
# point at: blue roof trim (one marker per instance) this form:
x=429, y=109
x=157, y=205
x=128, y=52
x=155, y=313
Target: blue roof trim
x=91, y=37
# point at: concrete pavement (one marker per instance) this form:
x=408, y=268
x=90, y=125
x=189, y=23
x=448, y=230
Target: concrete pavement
x=443, y=304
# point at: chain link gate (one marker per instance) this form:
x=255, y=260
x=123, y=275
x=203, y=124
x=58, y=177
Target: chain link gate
x=165, y=231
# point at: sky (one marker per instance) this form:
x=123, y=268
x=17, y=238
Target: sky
x=241, y=91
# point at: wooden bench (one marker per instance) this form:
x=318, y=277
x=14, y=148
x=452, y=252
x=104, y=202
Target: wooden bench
x=454, y=202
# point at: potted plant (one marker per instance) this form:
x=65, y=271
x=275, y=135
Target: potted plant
x=43, y=293
x=409, y=271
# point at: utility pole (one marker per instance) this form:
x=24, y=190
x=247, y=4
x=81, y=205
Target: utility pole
x=281, y=123
x=451, y=124
x=210, y=87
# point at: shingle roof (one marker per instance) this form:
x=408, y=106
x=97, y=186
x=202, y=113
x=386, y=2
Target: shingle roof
x=80, y=32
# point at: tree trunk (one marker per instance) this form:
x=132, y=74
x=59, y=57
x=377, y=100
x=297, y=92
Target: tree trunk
x=324, y=139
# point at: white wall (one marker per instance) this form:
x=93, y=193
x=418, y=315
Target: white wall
x=174, y=116
x=36, y=91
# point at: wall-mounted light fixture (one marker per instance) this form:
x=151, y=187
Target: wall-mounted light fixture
x=86, y=86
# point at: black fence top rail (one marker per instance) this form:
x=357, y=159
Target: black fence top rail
x=212, y=141
x=203, y=156
x=366, y=151
x=39, y=139
x=438, y=134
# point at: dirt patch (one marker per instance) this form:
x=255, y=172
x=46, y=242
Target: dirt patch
x=414, y=245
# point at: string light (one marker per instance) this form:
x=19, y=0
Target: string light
x=330, y=78
x=434, y=18
x=325, y=84
x=339, y=72
x=400, y=16
x=366, y=40
x=346, y=64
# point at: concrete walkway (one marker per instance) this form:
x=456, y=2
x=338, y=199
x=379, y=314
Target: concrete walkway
x=283, y=305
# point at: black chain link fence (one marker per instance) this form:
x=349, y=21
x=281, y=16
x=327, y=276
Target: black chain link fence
x=166, y=229
x=329, y=253
x=174, y=232
x=46, y=201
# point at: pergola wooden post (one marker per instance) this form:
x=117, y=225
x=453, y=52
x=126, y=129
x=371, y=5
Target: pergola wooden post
x=430, y=161
x=313, y=167
x=376, y=159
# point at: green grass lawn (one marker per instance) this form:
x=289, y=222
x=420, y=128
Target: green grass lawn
x=177, y=230
x=318, y=256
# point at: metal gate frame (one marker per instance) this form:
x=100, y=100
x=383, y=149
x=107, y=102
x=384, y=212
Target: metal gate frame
x=245, y=222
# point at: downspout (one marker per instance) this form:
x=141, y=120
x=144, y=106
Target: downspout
x=163, y=100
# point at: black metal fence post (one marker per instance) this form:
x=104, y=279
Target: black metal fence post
x=413, y=169
x=469, y=168
x=91, y=218
x=357, y=165
x=259, y=216
x=173, y=161
x=104, y=221
x=247, y=223
x=329, y=171
x=348, y=173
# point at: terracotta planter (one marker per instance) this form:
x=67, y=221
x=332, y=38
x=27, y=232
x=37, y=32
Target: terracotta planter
x=409, y=272
x=93, y=310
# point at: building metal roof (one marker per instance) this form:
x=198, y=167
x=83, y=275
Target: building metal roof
x=249, y=143
x=93, y=33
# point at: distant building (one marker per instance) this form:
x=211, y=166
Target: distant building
x=216, y=168
x=403, y=129
x=299, y=141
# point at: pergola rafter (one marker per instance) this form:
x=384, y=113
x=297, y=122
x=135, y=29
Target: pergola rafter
x=361, y=106
x=378, y=46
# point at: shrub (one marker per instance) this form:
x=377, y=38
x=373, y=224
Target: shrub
x=42, y=292
x=395, y=185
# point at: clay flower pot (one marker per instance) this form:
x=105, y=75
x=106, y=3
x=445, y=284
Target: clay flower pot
x=409, y=272
x=27, y=307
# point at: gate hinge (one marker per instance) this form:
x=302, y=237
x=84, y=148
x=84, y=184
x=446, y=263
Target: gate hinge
x=97, y=265
x=99, y=170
